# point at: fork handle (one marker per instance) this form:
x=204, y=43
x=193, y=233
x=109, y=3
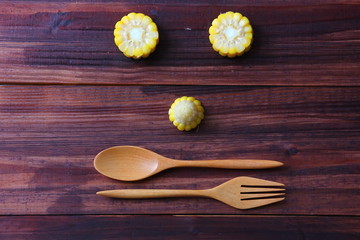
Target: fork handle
x=229, y=163
x=152, y=193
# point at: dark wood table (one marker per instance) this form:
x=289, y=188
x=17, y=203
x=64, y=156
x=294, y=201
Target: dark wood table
x=67, y=93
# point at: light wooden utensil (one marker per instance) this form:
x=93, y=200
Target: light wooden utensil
x=240, y=192
x=130, y=163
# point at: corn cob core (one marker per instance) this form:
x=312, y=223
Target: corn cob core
x=136, y=35
x=186, y=113
x=231, y=34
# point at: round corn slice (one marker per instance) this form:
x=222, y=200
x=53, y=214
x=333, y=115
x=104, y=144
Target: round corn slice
x=231, y=34
x=186, y=113
x=136, y=35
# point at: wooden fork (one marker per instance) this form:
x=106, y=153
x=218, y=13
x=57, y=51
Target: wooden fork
x=240, y=192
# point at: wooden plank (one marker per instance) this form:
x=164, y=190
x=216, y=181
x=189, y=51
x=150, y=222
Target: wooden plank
x=179, y=227
x=50, y=134
x=296, y=43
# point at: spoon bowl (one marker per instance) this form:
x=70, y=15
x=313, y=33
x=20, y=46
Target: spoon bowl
x=127, y=163
x=130, y=163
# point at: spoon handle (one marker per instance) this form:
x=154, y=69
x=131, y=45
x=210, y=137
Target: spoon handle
x=229, y=164
x=152, y=193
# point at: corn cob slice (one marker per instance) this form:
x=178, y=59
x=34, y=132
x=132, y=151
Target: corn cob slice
x=231, y=34
x=186, y=113
x=136, y=35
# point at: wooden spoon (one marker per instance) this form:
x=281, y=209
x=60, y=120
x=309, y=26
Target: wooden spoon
x=130, y=163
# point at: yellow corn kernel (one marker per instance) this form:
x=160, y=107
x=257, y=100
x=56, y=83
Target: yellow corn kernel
x=136, y=35
x=186, y=113
x=231, y=34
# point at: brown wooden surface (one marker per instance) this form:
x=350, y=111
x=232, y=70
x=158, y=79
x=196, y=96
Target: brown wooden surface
x=52, y=133
x=178, y=227
x=295, y=43
x=67, y=93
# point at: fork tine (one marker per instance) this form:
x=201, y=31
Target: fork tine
x=252, y=189
x=259, y=195
x=250, y=181
x=260, y=202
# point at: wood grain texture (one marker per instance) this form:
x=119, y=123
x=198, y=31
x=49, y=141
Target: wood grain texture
x=50, y=135
x=296, y=43
x=179, y=227
x=68, y=93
